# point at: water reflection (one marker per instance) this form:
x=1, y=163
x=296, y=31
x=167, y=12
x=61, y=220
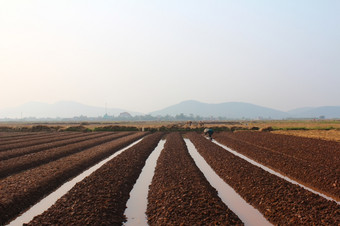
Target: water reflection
x=137, y=204
x=247, y=213
x=49, y=200
x=274, y=172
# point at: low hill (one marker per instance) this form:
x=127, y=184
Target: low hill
x=232, y=110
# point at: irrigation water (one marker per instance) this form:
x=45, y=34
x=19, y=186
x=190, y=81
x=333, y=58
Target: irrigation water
x=137, y=203
x=246, y=212
x=274, y=172
x=49, y=200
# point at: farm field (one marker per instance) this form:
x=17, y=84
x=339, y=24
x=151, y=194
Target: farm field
x=333, y=135
x=310, y=161
x=33, y=165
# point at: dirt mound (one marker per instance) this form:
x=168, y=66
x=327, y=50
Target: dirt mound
x=78, y=129
x=116, y=128
x=6, y=129
x=42, y=128
x=267, y=129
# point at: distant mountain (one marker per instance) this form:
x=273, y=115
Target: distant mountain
x=62, y=109
x=316, y=112
x=232, y=110
x=298, y=111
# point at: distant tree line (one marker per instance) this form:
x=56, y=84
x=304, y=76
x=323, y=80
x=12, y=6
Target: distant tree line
x=128, y=117
x=148, y=117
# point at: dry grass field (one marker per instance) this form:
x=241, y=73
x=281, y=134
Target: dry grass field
x=319, y=134
x=289, y=124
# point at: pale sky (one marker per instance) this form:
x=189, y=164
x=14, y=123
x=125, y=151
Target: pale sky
x=146, y=55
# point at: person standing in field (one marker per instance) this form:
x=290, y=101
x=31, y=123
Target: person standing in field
x=209, y=132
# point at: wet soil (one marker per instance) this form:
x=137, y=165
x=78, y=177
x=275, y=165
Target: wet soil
x=12, y=153
x=310, y=149
x=179, y=193
x=19, y=191
x=279, y=201
x=312, y=162
x=25, y=137
x=100, y=199
x=24, y=162
x=30, y=141
x=4, y=136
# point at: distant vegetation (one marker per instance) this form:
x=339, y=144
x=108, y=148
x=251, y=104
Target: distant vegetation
x=167, y=118
x=304, y=128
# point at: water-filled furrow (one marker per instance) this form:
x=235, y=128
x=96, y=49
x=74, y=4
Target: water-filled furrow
x=247, y=213
x=49, y=200
x=274, y=172
x=137, y=204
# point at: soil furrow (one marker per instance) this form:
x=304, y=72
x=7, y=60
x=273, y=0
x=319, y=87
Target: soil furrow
x=279, y=201
x=100, y=199
x=41, y=147
x=31, y=142
x=323, y=178
x=15, y=165
x=19, y=191
x=34, y=137
x=180, y=194
x=4, y=136
x=312, y=150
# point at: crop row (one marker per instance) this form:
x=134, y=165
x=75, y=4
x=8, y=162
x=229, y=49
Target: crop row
x=32, y=137
x=15, y=165
x=12, y=153
x=28, y=141
x=6, y=136
x=11, y=137
x=21, y=190
x=278, y=200
x=323, y=176
x=312, y=150
x=100, y=198
x=179, y=193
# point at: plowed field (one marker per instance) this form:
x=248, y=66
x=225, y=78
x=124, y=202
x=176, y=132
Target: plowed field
x=32, y=165
x=313, y=162
x=180, y=194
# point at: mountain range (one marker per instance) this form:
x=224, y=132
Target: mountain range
x=230, y=110
x=239, y=110
x=61, y=109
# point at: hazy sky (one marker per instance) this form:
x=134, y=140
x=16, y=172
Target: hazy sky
x=147, y=55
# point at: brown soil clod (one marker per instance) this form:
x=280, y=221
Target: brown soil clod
x=180, y=194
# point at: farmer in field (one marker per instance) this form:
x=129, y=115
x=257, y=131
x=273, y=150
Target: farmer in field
x=208, y=132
